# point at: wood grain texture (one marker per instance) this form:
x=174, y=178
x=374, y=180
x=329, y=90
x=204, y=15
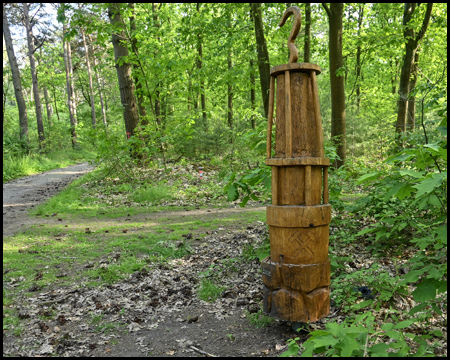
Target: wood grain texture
x=296, y=275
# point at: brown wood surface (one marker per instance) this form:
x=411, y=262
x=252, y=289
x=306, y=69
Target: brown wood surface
x=280, y=128
x=305, y=67
x=288, y=115
x=296, y=275
x=307, y=187
x=325, y=186
x=298, y=161
x=275, y=185
x=298, y=123
x=298, y=216
x=270, y=117
x=318, y=117
x=299, y=245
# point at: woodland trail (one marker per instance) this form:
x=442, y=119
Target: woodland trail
x=20, y=195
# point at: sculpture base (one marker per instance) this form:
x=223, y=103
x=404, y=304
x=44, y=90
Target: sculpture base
x=296, y=292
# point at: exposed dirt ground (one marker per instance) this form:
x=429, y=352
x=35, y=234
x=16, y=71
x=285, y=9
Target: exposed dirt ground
x=155, y=312
x=20, y=195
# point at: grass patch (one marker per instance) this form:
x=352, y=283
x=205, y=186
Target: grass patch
x=152, y=194
x=209, y=291
x=18, y=166
x=259, y=319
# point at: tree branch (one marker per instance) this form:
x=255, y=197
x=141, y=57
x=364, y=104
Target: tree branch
x=426, y=21
x=327, y=9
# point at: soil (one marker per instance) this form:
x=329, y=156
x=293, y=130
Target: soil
x=21, y=195
x=155, y=312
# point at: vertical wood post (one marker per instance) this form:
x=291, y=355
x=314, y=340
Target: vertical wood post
x=296, y=275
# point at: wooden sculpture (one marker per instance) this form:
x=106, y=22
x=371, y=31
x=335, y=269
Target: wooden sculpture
x=296, y=275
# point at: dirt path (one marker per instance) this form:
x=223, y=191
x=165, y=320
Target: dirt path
x=22, y=194
x=154, y=312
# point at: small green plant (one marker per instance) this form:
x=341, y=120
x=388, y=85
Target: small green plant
x=259, y=319
x=249, y=252
x=209, y=291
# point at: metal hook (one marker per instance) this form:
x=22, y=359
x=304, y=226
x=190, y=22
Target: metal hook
x=293, y=10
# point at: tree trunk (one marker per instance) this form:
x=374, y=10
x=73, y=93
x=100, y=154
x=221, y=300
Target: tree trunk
x=358, y=58
x=70, y=88
x=411, y=119
x=138, y=84
x=230, y=98
x=91, y=85
x=126, y=85
x=202, y=80
x=412, y=43
x=37, y=101
x=338, y=127
x=252, y=93
x=307, y=46
x=263, y=55
x=159, y=84
x=21, y=105
x=97, y=76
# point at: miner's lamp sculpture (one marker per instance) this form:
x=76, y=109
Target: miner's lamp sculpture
x=296, y=275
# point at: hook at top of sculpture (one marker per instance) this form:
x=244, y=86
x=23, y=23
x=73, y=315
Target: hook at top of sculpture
x=293, y=10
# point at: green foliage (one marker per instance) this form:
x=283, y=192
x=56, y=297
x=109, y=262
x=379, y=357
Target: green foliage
x=259, y=319
x=209, y=291
x=352, y=338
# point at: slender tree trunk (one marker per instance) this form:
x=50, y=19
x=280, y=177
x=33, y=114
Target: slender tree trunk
x=202, y=79
x=48, y=106
x=411, y=120
x=263, y=55
x=230, y=98
x=338, y=126
x=91, y=85
x=159, y=84
x=69, y=87
x=307, y=47
x=37, y=101
x=54, y=100
x=358, y=58
x=18, y=92
x=138, y=84
x=252, y=93
x=126, y=85
x=97, y=76
x=412, y=43
x=48, y=103
x=72, y=83
x=189, y=95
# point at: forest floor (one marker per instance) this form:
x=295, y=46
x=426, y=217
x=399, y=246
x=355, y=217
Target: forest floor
x=155, y=310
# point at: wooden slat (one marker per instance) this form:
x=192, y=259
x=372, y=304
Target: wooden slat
x=318, y=117
x=288, y=124
x=321, y=161
x=307, y=67
x=298, y=216
x=270, y=117
x=308, y=185
x=275, y=185
x=325, y=185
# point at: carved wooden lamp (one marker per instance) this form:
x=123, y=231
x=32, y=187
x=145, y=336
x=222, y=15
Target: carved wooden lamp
x=296, y=275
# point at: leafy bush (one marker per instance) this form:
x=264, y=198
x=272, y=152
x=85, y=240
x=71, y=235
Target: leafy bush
x=357, y=338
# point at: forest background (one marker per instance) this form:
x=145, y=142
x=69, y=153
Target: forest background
x=135, y=86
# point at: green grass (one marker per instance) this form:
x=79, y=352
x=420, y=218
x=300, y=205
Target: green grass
x=18, y=166
x=259, y=319
x=152, y=194
x=209, y=291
